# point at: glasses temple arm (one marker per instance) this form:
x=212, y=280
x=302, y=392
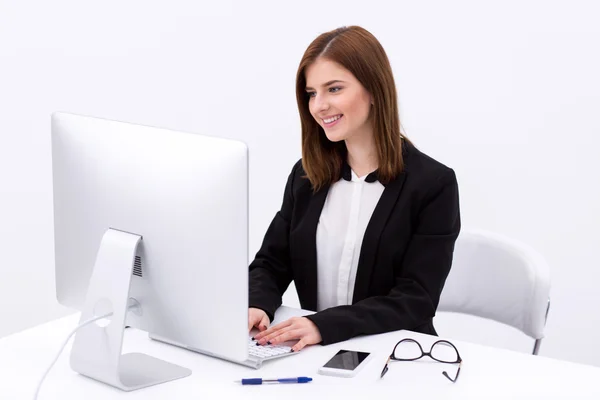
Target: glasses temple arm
x=385, y=367
x=457, y=373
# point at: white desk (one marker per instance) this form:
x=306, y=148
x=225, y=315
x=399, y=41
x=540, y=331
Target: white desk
x=486, y=372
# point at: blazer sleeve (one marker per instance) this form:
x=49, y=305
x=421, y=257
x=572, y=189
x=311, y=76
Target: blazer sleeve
x=271, y=271
x=418, y=280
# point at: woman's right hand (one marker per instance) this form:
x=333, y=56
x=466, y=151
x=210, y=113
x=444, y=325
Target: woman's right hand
x=257, y=318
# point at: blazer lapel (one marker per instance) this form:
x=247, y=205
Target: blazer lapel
x=306, y=234
x=370, y=242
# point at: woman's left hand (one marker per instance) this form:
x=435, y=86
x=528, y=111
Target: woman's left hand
x=300, y=328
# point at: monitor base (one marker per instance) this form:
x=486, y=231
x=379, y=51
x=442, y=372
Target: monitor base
x=97, y=347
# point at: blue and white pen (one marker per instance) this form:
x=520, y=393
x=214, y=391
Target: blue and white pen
x=260, y=381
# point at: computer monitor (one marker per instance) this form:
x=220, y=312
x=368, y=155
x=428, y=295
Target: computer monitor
x=156, y=219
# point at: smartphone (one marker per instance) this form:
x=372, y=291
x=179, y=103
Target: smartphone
x=346, y=363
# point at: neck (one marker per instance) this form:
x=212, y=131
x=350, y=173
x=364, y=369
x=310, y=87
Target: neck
x=362, y=155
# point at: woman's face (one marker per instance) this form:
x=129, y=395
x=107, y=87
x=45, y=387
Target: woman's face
x=337, y=101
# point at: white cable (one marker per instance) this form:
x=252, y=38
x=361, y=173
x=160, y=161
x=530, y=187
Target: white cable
x=89, y=321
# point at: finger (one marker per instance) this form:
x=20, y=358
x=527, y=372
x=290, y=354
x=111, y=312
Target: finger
x=272, y=329
x=264, y=336
x=264, y=323
x=259, y=325
x=300, y=345
x=260, y=321
x=251, y=321
x=289, y=335
x=266, y=332
x=268, y=339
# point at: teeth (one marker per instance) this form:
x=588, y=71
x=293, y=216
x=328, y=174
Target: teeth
x=330, y=120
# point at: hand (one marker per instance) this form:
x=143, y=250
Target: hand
x=300, y=328
x=257, y=318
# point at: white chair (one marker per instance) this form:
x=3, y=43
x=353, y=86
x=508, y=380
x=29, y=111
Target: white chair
x=501, y=279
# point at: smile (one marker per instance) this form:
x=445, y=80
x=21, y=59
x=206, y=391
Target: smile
x=332, y=121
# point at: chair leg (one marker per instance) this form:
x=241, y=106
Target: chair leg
x=538, y=342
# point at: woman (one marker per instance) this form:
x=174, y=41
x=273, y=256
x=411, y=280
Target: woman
x=368, y=222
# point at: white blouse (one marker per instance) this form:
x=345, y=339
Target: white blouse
x=346, y=213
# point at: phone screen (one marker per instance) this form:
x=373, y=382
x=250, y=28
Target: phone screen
x=346, y=359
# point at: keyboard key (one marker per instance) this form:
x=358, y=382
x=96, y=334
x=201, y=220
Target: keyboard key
x=264, y=352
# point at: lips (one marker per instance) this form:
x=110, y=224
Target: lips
x=330, y=119
x=333, y=123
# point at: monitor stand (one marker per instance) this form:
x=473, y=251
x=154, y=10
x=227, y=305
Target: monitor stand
x=97, y=347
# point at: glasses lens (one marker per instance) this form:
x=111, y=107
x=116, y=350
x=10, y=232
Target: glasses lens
x=407, y=350
x=444, y=352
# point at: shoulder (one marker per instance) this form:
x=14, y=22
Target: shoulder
x=298, y=176
x=423, y=169
x=298, y=183
x=296, y=173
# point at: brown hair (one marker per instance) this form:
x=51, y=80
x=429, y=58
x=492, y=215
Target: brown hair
x=358, y=51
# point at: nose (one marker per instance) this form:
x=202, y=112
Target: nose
x=320, y=103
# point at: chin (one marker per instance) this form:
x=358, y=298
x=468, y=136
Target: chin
x=335, y=137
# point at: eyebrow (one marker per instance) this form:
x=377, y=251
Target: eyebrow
x=326, y=84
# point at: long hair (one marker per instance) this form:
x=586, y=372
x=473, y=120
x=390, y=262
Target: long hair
x=358, y=51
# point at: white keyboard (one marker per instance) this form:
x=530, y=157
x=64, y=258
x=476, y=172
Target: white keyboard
x=267, y=351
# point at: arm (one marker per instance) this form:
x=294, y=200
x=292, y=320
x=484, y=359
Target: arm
x=270, y=272
x=418, y=280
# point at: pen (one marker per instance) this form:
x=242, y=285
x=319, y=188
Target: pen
x=260, y=381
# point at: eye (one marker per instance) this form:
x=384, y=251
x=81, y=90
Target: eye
x=310, y=94
x=335, y=89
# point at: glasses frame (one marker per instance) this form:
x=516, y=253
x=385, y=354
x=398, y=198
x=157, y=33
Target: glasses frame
x=423, y=354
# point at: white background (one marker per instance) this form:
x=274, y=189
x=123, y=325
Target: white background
x=506, y=92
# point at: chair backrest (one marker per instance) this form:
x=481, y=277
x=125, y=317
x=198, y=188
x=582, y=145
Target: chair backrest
x=498, y=278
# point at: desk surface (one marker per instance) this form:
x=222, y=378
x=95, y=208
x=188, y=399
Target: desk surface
x=486, y=372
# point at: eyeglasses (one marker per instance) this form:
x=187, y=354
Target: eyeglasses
x=410, y=350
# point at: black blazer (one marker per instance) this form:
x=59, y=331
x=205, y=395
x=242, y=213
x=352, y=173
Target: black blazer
x=405, y=256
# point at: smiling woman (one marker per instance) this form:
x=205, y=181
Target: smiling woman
x=368, y=222
x=345, y=73
x=341, y=98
